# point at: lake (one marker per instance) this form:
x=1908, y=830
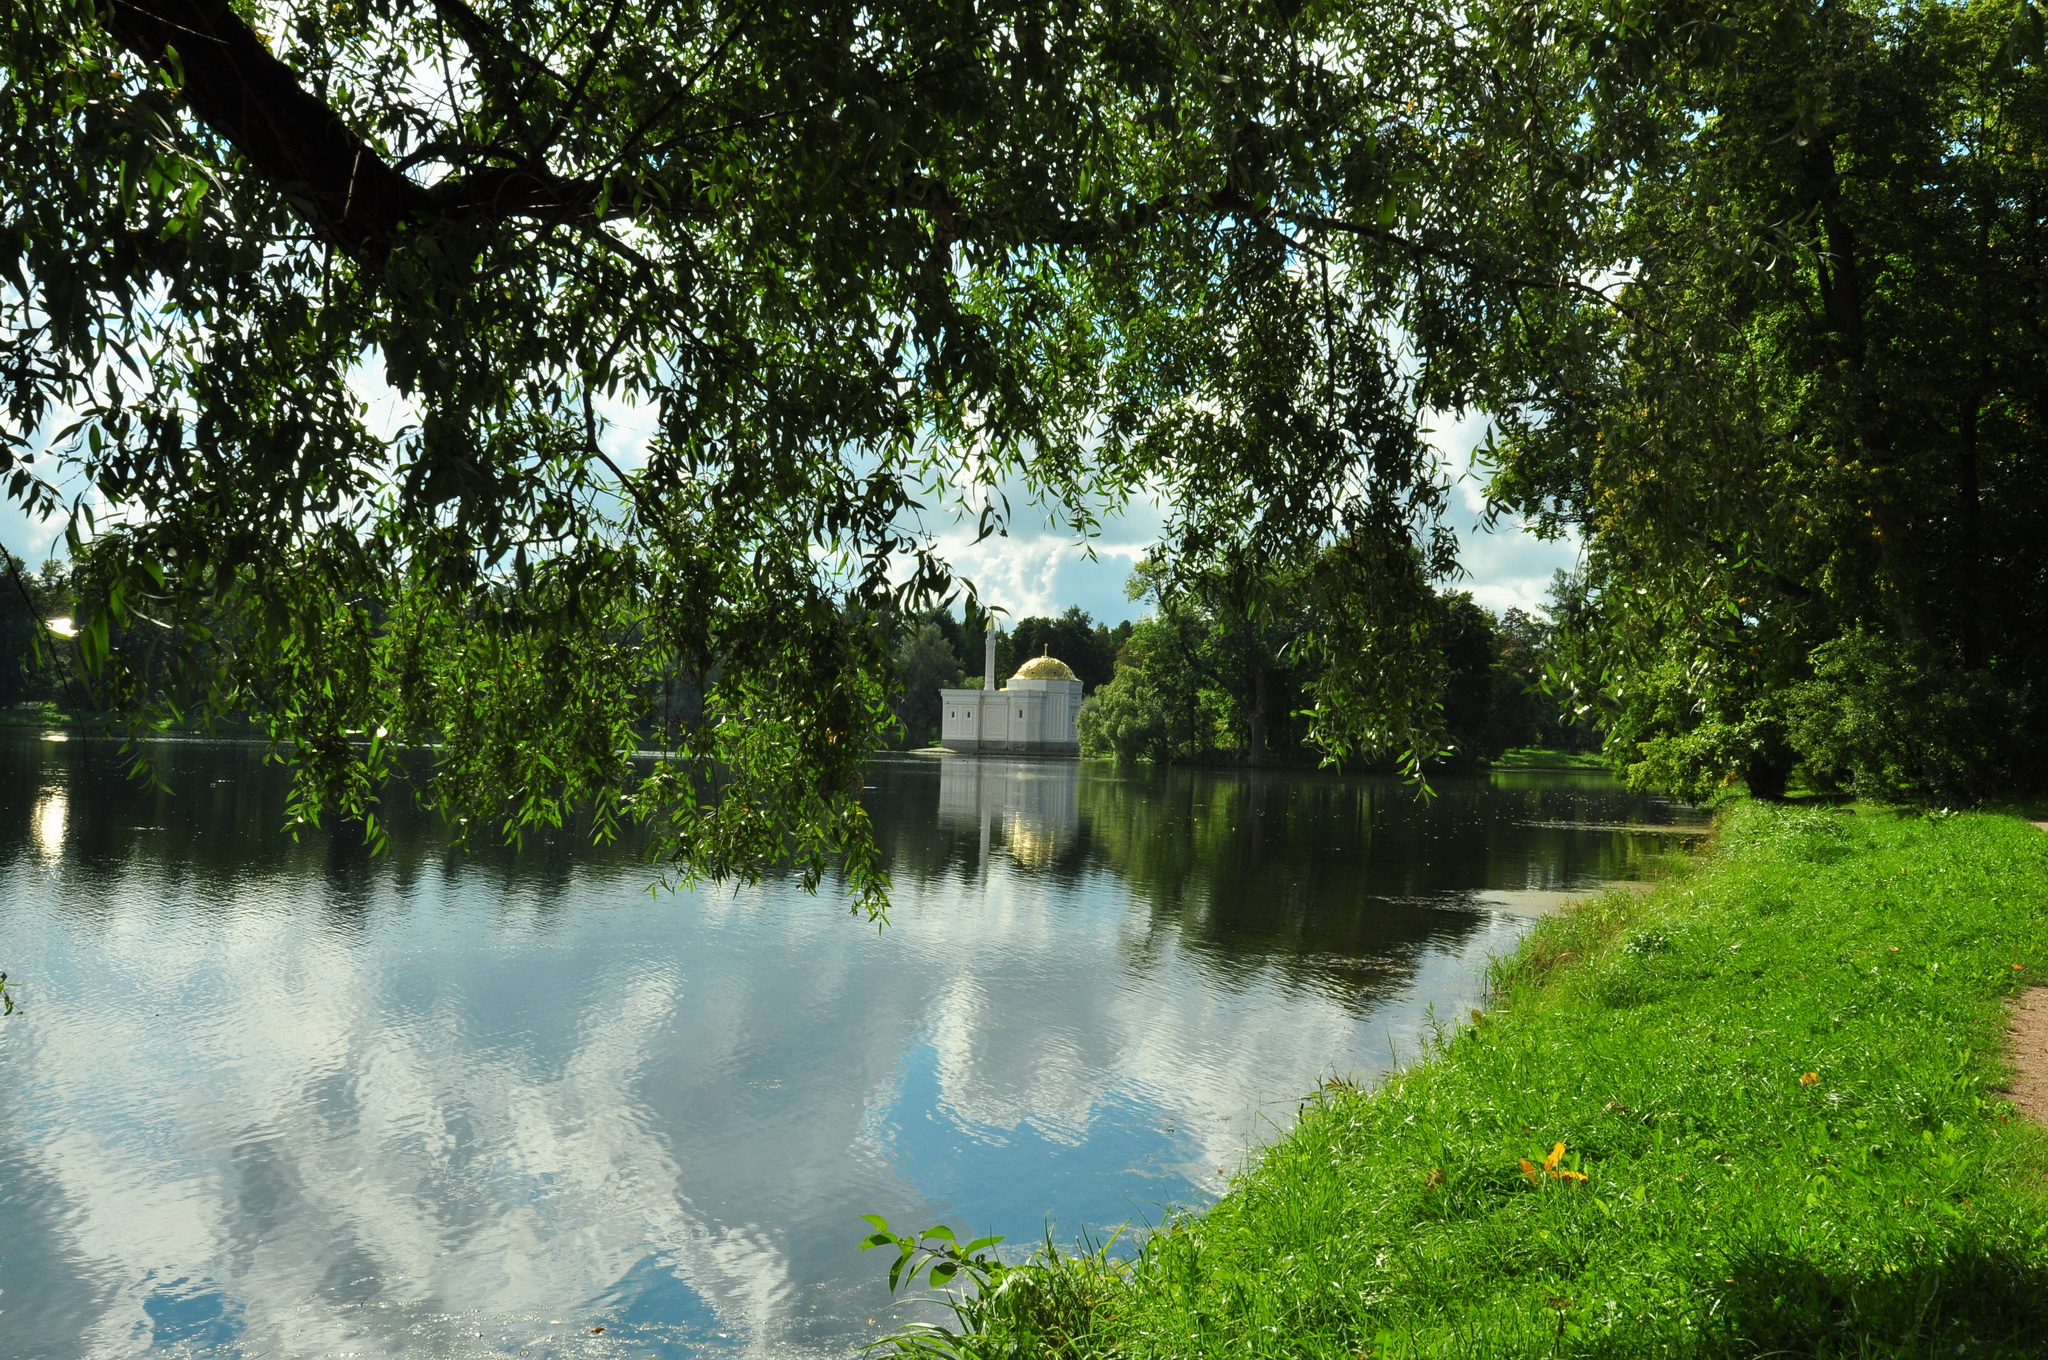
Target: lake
x=278, y=1098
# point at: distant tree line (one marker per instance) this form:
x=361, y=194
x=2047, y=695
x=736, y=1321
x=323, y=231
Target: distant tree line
x=1206, y=679
x=32, y=669
x=1198, y=681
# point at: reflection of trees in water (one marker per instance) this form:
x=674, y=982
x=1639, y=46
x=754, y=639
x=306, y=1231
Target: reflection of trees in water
x=1250, y=870
x=218, y=810
x=1244, y=866
x=1344, y=878
x=1341, y=878
x=940, y=817
x=1032, y=803
x=917, y=847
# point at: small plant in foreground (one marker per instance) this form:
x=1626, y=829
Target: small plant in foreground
x=1045, y=1306
x=937, y=1253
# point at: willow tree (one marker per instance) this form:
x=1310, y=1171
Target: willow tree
x=847, y=267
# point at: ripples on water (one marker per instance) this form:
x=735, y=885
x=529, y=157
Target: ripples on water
x=284, y=1099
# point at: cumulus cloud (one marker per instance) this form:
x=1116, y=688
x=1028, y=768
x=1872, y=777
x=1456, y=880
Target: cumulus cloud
x=1507, y=566
x=1040, y=567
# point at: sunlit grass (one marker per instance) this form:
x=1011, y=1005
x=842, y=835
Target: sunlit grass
x=1544, y=758
x=1757, y=1111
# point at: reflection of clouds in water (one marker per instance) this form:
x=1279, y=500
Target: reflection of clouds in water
x=497, y=1099
x=46, y=823
x=333, y=1122
x=309, y=1132
x=1041, y=1023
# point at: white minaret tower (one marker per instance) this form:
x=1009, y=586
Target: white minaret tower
x=988, y=660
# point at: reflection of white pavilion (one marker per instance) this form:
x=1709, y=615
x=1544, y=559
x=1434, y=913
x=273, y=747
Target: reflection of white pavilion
x=1033, y=715
x=1036, y=802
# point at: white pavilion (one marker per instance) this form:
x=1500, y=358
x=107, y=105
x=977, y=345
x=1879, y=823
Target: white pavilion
x=1033, y=715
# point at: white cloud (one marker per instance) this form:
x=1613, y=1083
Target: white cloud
x=1042, y=571
x=1040, y=568
x=1507, y=566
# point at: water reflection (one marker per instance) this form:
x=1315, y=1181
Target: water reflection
x=1034, y=802
x=281, y=1098
x=46, y=824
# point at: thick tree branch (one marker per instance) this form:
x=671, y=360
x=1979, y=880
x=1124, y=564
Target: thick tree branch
x=352, y=196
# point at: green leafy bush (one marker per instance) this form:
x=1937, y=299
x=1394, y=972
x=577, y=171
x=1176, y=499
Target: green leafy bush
x=1892, y=720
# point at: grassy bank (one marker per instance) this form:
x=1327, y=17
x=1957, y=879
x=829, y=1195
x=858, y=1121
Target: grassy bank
x=1543, y=758
x=35, y=716
x=1776, y=1080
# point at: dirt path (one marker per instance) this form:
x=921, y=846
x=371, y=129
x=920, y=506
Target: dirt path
x=2030, y=1053
x=2030, y=1048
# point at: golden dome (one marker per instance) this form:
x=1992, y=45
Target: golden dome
x=1045, y=668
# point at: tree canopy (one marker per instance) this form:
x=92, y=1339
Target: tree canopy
x=849, y=262
x=1805, y=445
x=1749, y=289
x=1205, y=679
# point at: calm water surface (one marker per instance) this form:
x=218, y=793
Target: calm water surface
x=283, y=1099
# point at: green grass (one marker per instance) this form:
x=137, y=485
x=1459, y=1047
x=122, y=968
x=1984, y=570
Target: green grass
x=35, y=715
x=1893, y=1205
x=1542, y=758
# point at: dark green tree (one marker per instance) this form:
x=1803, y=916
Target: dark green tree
x=1803, y=435
x=1478, y=726
x=927, y=662
x=1535, y=701
x=22, y=657
x=1157, y=708
x=1073, y=637
x=34, y=662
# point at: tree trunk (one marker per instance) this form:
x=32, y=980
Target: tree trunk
x=1255, y=727
x=1969, y=527
x=1840, y=279
x=296, y=140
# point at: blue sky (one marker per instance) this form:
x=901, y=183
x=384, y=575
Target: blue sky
x=25, y=538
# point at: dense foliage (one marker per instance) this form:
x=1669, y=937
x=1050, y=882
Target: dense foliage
x=519, y=381
x=336, y=321
x=32, y=664
x=1203, y=678
x=1805, y=443
x=1090, y=648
